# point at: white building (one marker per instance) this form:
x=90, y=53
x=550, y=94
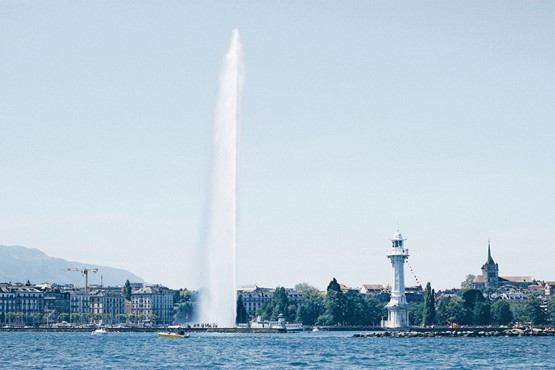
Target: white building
x=397, y=308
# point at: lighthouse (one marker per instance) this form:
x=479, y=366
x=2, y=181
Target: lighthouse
x=397, y=308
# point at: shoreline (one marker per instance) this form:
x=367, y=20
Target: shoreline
x=307, y=328
x=143, y=330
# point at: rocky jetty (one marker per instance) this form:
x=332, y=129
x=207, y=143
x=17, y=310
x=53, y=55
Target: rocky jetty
x=489, y=332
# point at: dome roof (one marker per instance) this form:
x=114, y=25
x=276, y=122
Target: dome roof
x=397, y=236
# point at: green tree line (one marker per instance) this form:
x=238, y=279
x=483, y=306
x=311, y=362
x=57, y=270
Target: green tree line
x=335, y=307
x=332, y=308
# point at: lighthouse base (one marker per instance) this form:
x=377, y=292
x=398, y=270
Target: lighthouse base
x=397, y=317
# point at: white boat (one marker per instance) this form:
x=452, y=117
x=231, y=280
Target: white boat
x=315, y=329
x=279, y=324
x=100, y=331
x=293, y=327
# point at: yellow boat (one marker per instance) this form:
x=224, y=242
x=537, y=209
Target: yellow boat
x=171, y=334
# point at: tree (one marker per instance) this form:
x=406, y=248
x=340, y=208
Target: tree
x=415, y=314
x=536, y=314
x=334, y=286
x=241, y=311
x=356, y=307
x=551, y=310
x=74, y=317
x=375, y=310
x=36, y=317
x=325, y=319
x=452, y=310
x=10, y=316
x=468, y=282
x=127, y=290
x=306, y=288
x=473, y=303
x=429, y=310
x=280, y=303
x=311, y=309
x=336, y=306
x=482, y=313
x=519, y=311
x=185, y=302
x=107, y=318
x=501, y=312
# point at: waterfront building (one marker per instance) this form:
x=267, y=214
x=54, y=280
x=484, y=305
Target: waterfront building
x=56, y=300
x=397, y=308
x=79, y=306
x=255, y=297
x=153, y=303
x=7, y=302
x=30, y=302
x=107, y=304
x=21, y=303
x=26, y=304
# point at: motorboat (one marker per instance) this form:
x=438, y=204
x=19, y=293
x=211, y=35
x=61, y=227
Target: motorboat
x=100, y=331
x=173, y=334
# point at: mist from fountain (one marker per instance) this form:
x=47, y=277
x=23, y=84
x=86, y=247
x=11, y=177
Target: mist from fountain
x=218, y=295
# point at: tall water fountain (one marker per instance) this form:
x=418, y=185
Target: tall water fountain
x=218, y=296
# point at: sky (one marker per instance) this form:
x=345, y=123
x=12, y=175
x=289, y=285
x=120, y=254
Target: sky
x=357, y=119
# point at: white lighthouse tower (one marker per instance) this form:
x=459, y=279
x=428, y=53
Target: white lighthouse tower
x=397, y=313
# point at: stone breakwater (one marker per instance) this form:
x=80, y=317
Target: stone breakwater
x=501, y=332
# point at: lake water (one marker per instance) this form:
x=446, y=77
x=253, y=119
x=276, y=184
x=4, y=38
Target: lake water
x=321, y=350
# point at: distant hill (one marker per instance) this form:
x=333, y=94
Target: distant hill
x=19, y=264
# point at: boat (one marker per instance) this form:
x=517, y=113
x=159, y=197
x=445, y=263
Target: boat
x=279, y=324
x=173, y=334
x=315, y=329
x=293, y=327
x=100, y=331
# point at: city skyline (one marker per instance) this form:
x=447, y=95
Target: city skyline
x=434, y=118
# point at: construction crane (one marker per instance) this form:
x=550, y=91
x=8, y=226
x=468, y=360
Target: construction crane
x=85, y=271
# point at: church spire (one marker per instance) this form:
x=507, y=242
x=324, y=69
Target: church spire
x=490, y=260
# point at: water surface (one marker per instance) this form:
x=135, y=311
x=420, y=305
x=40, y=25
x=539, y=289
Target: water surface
x=322, y=350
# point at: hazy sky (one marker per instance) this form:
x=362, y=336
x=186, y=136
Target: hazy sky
x=358, y=117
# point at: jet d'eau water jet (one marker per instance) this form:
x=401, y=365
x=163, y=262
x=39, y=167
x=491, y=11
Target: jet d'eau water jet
x=218, y=293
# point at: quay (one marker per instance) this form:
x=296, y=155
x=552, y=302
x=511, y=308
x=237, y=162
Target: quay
x=143, y=330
